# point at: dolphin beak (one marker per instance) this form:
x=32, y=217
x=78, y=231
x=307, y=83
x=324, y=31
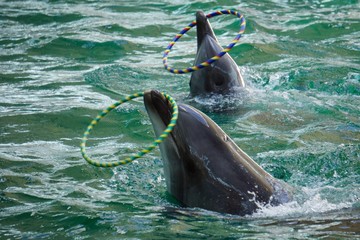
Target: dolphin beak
x=203, y=28
x=159, y=110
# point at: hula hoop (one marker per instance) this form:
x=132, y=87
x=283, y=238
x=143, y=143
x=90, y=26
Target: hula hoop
x=210, y=60
x=160, y=139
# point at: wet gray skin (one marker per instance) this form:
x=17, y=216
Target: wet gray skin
x=222, y=76
x=204, y=168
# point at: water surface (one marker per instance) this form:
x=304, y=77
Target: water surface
x=62, y=62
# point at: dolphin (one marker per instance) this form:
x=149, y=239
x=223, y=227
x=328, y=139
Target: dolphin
x=204, y=168
x=222, y=76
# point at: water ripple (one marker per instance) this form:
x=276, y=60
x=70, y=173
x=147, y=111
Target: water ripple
x=64, y=61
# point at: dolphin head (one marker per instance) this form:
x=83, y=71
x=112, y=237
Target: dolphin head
x=222, y=76
x=203, y=167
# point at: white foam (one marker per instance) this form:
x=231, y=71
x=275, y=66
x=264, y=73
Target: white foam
x=314, y=203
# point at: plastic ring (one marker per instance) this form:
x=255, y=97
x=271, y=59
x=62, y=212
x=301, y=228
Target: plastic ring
x=210, y=60
x=161, y=138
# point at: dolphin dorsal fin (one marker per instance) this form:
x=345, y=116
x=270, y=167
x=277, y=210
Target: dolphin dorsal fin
x=203, y=27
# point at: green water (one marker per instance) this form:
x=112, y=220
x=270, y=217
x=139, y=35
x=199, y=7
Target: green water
x=62, y=62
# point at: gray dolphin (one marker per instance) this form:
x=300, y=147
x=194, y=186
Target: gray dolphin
x=204, y=168
x=220, y=77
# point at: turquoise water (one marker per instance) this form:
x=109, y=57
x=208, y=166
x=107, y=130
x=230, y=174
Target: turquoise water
x=62, y=62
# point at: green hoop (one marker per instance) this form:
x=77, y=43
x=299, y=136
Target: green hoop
x=160, y=139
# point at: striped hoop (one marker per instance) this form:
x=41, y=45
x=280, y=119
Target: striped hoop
x=210, y=60
x=160, y=139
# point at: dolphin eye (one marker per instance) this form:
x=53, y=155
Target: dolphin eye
x=218, y=82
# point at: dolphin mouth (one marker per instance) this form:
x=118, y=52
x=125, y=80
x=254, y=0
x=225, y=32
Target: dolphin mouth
x=159, y=110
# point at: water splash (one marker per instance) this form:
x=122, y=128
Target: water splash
x=312, y=205
x=220, y=102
